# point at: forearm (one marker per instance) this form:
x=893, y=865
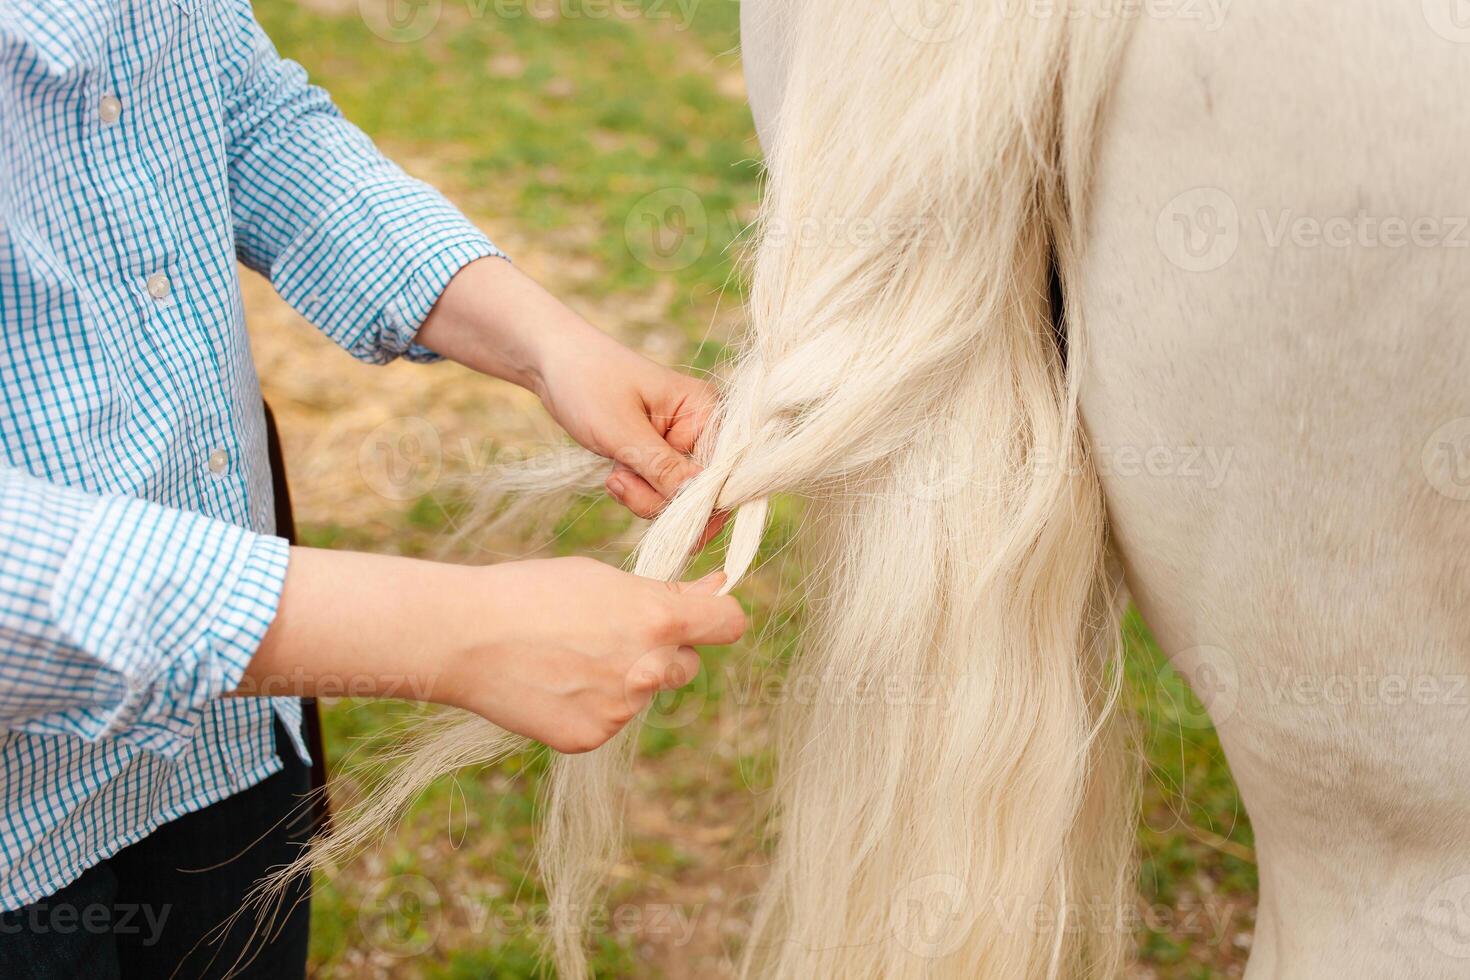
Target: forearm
x=361, y=625
x=497, y=320
x=562, y=650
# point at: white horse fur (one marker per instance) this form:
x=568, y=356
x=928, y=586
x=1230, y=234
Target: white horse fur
x=1300, y=370
x=957, y=472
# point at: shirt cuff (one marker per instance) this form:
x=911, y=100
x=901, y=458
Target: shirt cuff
x=170, y=607
x=408, y=311
x=370, y=270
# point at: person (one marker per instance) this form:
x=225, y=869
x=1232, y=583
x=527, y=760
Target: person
x=145, y=146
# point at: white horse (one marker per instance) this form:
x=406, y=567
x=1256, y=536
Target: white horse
x=1259, y=247
x=1277, y=289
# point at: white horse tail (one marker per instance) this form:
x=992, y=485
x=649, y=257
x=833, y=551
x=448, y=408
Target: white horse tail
x=973, y=816
x=957, y=799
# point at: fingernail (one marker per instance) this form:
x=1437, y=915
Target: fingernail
x=615, y=486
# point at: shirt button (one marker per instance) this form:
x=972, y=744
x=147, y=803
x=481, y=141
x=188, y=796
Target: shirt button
x=219, y=461
x=109, y=109
x=158, y=285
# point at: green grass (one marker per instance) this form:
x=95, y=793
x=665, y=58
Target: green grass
x=622, y=146
x=585, y=129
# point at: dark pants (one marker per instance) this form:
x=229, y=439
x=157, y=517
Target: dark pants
x=162, y=907
x=159, y=908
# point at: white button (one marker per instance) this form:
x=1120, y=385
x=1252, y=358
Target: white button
x=158, y=285
x=219, y=461
x=109, y=109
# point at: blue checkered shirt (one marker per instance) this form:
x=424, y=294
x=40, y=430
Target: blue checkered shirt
x=145, y=146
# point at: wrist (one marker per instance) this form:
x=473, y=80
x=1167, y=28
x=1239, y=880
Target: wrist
x=495, y=319
x=476, y=666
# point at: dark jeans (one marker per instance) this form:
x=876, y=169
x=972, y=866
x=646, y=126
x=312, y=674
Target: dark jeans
x=158, y=908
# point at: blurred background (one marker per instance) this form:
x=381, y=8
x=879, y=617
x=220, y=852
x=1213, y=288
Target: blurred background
x=606, y=145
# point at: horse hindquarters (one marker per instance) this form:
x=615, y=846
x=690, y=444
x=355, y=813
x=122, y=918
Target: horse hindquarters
x=1276, y=387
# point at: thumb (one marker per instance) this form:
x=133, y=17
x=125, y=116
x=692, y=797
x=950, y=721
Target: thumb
x=646, y=453
x=709, y=585
x=709, y=616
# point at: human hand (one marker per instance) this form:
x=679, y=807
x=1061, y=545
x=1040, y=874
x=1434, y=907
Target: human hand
x=562, y=650
x=610, y=399
x=581, y=647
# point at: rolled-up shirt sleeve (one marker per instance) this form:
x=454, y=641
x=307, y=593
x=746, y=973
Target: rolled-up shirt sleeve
x=122, y=618
x=353, y=243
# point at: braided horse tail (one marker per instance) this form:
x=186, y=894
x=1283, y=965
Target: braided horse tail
x=910, y=386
